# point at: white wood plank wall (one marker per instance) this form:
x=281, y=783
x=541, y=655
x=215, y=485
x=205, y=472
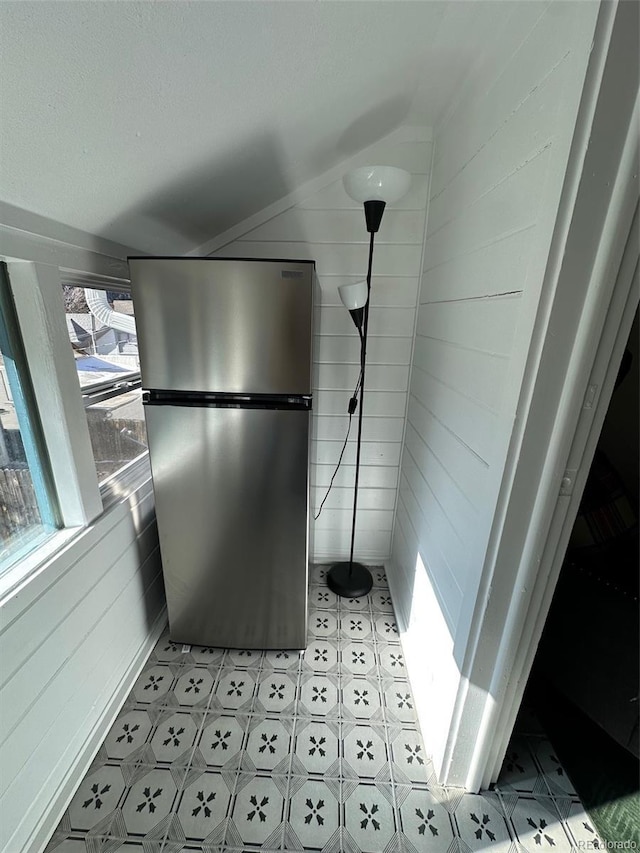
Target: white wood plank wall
x=499, y=162
x=70, y=643
x=328, y=227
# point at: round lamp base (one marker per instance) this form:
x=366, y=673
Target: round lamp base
x=348, y=584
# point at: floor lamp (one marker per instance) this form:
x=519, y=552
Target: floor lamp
x=374, y=187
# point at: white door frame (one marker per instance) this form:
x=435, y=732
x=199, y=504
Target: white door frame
x=615, y=333
x=583, y=323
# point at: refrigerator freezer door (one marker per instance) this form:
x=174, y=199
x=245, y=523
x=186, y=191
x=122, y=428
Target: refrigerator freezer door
x=231, y=501
x=207, y=324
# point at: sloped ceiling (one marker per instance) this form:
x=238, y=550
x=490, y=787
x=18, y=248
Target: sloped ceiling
x=162, y=124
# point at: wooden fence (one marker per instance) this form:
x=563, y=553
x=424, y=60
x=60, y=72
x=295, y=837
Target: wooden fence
x=114, y=441
x=18, y=506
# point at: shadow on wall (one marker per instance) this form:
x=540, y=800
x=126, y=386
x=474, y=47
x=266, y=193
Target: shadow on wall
x=149, y=579
x=197, y=205
x=371, y=127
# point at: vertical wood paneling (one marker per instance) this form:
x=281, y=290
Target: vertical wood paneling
x=333, y=196
x=486, y=324
x=486, y=271
x=66, y=652
x=343, y=349
x=382, y=403
x=474, y=427
x=339, y=226
x=498, y=169
x=384, y=322
x=378, y=477
x=479, y=376
x=329, y=228
x=331, y=428
x=387, y=291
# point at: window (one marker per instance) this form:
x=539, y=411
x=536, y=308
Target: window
x=72, y=434
x=28, y=515
x=101, y=329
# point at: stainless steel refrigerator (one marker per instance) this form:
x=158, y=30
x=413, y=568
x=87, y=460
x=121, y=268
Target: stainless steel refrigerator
x=225, y=357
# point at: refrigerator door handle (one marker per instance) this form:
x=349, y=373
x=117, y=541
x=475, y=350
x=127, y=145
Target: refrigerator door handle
x=203, y=399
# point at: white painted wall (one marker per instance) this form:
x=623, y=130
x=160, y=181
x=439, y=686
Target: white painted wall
x=76, y=628
x=72, y=639
x=291, y=89
x=322, y=223
x=499, y=164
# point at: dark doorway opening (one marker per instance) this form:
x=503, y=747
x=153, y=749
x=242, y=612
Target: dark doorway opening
x=584, y=683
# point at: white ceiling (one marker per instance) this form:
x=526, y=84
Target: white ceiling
x=160, y=125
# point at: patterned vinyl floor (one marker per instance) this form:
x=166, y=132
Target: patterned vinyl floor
x=230, y=750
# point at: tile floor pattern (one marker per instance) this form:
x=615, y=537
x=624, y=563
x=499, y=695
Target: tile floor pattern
x=233, y=750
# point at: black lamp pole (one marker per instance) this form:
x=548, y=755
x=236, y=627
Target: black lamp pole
x=349, y=579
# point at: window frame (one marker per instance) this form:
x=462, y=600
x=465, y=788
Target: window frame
x=131, y=473
x=28, y=416
x=31, y=537
x=37, y=293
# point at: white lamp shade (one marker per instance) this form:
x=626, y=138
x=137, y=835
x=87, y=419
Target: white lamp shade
x=354, y=295
x=377, y=183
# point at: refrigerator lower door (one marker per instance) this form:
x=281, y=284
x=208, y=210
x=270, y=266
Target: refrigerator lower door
x=231, y=491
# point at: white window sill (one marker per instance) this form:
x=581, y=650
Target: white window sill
x=125, y=481
x=22, y=572
x=44, y=564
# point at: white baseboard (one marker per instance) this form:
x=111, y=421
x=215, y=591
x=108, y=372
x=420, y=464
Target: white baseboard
x=401, y=617
x=38, y=836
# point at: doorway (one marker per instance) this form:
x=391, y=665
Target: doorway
x=582, y=692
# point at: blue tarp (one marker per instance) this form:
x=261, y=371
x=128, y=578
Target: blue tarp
x=91, y=364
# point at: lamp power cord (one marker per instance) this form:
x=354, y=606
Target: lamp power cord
x=353, y=405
